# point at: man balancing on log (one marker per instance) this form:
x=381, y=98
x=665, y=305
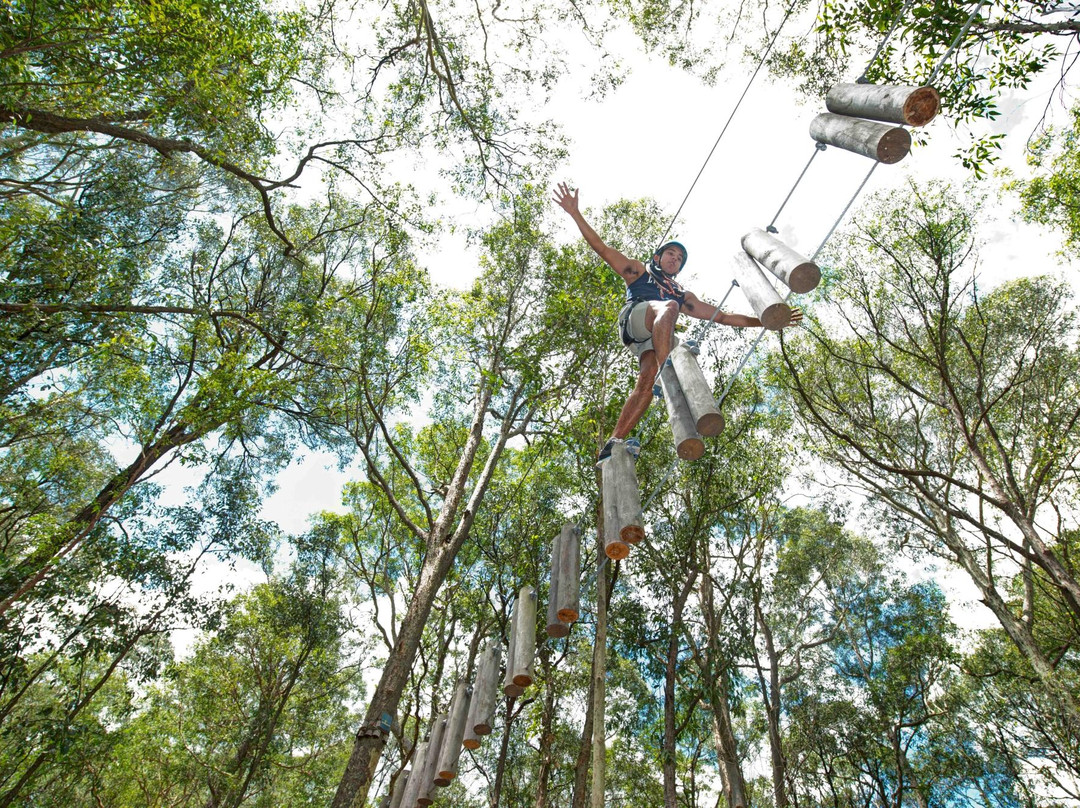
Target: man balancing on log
x=654, y=300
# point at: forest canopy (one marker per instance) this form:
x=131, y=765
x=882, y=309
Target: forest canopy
x=217, y=223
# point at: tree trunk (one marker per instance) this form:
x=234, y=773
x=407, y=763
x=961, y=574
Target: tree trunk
x=727, y=747
x=443, y=547
x=547, y=736
x=599, y=669
x=770, y=695
x=668, y=753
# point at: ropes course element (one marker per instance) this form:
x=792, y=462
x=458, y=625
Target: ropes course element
x=735, y=109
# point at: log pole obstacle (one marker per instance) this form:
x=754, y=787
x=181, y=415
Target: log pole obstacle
x=891, y=103
x=622, y=503
x=509, y=688
x=688, y=443
x=614, y=547
x=450, y=753
x=419, y=760
x=564, y=605
x=569, y=574
x=397, y=793
x=524, y=637
x=773, y=312
x=425, y=794
x=799, y=274
x=708, y=420
x=482, y=706
x=878, y=141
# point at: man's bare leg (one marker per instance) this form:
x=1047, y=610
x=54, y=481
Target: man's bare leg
x=660, y=319
x=637, y=403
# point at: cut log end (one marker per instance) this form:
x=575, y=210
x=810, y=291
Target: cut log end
x=472, y=744
x=894, y=146
x=558, y=630
x=691, y=448
x=523, y=680
x=617, y=550
x=711, y=424
x=568, y=616
x=921, y=106
x=632, y=534
x=513, y=690
x=776, y=316
x=443, y=779
x=804, y=278
x=483, y=729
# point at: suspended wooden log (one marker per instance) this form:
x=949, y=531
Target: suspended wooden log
x=797, y=273
x=628, y=498
x=767, y=304
x=450, y=752
x=509, y=688
x=555, y=627
x=525, y=636
x=425, y=794
x=412, y=790
x=569, y=603
x=892, y=103
x=485, y=688
x=878, y=141
x=688, y=443
x=397, y=793
x=708, y=420
x=614, y=546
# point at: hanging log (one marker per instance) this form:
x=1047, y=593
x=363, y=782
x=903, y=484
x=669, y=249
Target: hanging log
x=614, y=546
x=482, y=705
x=569, y=604
x=892, y=103
x=878, y=141
x=688, y=443
x=708, y=420
x=450, y=752
x=797, y=273
x=419, y=760
x=767, y=304
x=425, y=794
x=509, y=688
x=563, y=594
x=397, y=793
x=627, y=496
x=555, y=627
x=525, y=636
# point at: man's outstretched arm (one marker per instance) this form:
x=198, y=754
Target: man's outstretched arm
x=628, y=268
x=698, y=308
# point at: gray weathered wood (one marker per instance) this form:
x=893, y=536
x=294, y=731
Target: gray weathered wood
x=627, y=495
x=569, y=605
x=419, y=760
x=450, y=752
x=893, y=103
x=708, y=420
x=525, y=636
x=555, y=627
x=425, y=794
x=485, y=691
x=509, y=688
x=688, y=443
x=773, y=312
x=614, y=546
x=799, y=274
x=397, y=793
x=878, y=141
